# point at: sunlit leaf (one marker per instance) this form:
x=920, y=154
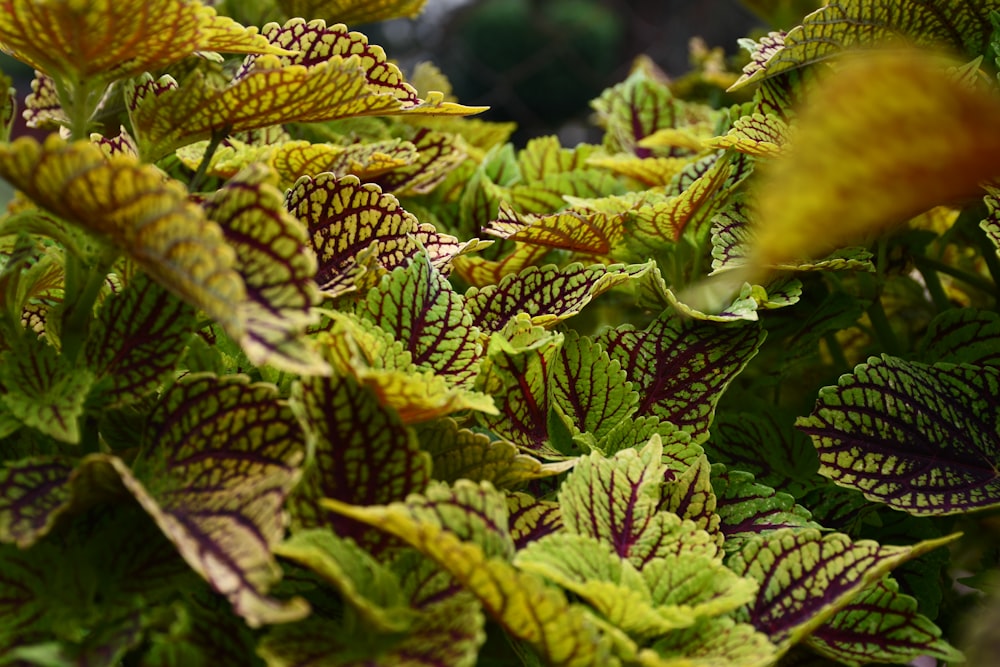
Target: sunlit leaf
x=586, y=233
x=369, y=587
x=420, y=308
x=589, y=388
x=548, y=294
x=277, y=265
x=531, y=519
x=132, y=205
x=140, y=336
x=222, y=456
x=363, y=453
x=42, y=108
x=960, y=25
x=919, y=438
x=617, y=501
x=758, y=134
x=881, y=625
x=95, y=41
x=459, y=453
x=293, y=159
x=485, y=272
x=681, y=367
x=353, y=11
x=713, y=643
x=42, y=389
x=806, y=578
x=558, y=631
x=894, y=131
x=438, y=153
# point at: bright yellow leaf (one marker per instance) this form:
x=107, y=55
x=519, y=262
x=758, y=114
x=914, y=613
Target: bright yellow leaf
x=113, y=39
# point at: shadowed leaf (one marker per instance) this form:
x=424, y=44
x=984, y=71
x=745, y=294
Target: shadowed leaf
x=962, y=336
x=919, y=438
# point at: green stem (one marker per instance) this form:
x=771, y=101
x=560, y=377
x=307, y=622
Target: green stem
x=883, y=329
x=930, y=264
x=206, y=160
x=933, y=283
x=83, y=285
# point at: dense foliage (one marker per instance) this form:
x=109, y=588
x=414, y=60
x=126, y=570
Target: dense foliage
x=303, y=364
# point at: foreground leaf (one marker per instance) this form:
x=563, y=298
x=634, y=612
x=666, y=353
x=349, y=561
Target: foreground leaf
x=919, y=438
x=131, y=205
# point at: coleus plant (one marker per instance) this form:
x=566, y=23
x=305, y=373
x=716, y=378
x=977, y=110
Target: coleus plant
x=266, y=396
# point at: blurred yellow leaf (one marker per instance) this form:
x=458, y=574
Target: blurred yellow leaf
x=886, y=137
x=353, y=11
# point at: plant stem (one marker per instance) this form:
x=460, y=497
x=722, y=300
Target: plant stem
x=883, y=329
x=83, y=285
x=933, y=283
x=931, y=264
x=206, y=160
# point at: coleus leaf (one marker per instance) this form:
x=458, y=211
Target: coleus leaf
x=96, y=42
x=354, y=11
x=617, y=501
x=438, y=154
x=298, y=90
x=679, y=451
x=531, y=519
x=919, y=438
x=420, y=308
x=711, y=643
x=277, y=265
x=204, y=634
x=355, y=227
x=958, y=25
x=222, y=456
x=590, y=388
x=881, y=625
x=131, y=205
x=42, y=108
x=42, y=389
x=991, y=223
x=806, y=577
x=757, y=134
x=690, y=496
x=560, y=632
x=459, y=453
x=516, y=374
x=650, y=171
x=549, y=194
x=587, y=233
x=681, y=367
x=33, y=492
x=294, y=159
x=962, y=335
x=138, y=339
x=483, y=272
x=747, y=508
x=364, y=455
x=548, y=294
x=369, y=587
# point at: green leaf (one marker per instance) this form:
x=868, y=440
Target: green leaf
x=959, y=25
x=362, y=454
x=42, y=389
x=881, y=625
x=531, y=519
x=438, y=155
x=520, y=602
x=681, y=367
x=140, y=335
x=589, y=388
x=33, y=491
x=221, y=457
x=747, y=508
x=517, y=374
x=589, y=233
x=690, y=496
x=616, y=500
x=459, y=453
x=962, y=336
x=418, y=306
x=714, y=642
x=806, y=577
x=368, y=586
x=205, y=634
x=547, y=294
x=920, y=438
x=277, y=265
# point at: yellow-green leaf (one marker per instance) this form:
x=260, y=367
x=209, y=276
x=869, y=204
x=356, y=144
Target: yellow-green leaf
x=132, y=205
x=354, y=11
